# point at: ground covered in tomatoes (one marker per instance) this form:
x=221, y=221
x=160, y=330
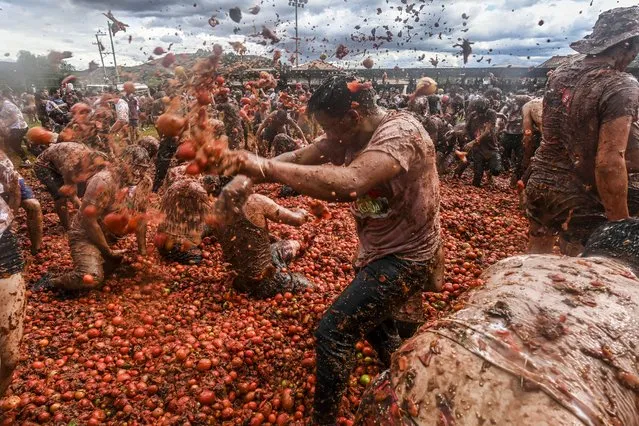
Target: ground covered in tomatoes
x=170, y=344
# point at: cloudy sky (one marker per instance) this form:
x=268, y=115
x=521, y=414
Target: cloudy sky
x=406, y=33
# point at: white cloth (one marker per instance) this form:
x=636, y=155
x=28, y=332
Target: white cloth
x=122, y=110
x=11, y=116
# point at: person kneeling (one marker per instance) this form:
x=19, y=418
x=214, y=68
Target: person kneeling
x=110, y=209
x=242, y=231
x=185, y=207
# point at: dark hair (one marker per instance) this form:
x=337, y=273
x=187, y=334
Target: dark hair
x=334, y=98
x=493, y=93
x=135, y=155
x=617, y=240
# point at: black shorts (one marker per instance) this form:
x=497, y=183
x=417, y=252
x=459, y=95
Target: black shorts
x=51, y=179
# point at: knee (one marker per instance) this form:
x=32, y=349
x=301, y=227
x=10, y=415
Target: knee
x=8, y=364
x=327, y=334
x=31, y=206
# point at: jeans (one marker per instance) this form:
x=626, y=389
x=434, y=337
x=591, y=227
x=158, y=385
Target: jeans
x=364, y=308
x=480, y=162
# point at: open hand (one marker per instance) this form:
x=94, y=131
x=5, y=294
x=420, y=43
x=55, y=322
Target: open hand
x=244, y=162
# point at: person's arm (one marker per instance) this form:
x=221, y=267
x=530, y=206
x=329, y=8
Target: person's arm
x=140, y=235
x=95, y=234
x=309, y=155
x=260, y=129
x=89, y=222
x=259, y=208
x=527, y=139
x=325, y=182
x=15, y=196
x=117, y=126
x=502, y=117
x=299, y=131
x=610, y=167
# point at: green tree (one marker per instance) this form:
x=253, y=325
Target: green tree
x=34, y=70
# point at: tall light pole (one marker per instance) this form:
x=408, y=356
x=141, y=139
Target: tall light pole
x=296, y=4
x=115, y=63
x=100, y=46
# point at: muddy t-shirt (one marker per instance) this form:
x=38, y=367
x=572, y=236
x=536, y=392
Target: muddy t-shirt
x=581, y=97
x=70, y=159
x=399, y=217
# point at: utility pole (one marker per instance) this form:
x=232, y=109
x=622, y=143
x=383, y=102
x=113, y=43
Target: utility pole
x=100, y=46
x=296, y=4
x=115, y=63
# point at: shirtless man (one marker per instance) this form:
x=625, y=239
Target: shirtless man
x=17, y=193
x=483, y=146
x=545, y=341
x=578, y=178
x=242, y=230
x=383, y=163
x=13, y=298
x=61, y=167
x=185, y=208
x=277, y=124
x=512, y=136
x=229, y=113
x=532, y=126
x=113, y=199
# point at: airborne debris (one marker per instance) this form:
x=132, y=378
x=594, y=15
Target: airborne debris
x=116, y=25
x=341, y=51
x=466, y=49
x=235, y=14
x=213, y=22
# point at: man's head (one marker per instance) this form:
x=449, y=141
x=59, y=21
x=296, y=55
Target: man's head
x=341, y=105
x=7, y=93
x=616, y=240
x=614, y=35
x=134, y=163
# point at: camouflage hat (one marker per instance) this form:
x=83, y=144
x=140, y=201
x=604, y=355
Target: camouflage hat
x=613, y=27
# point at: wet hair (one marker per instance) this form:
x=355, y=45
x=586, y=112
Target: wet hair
x=214, y=184
x=135, y=155
x=493, y=93
x=334, y=99
x=616, y=240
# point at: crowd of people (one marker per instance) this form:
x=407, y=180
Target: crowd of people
x=570, y=151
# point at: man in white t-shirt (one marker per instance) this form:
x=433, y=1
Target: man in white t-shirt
x=13, y=128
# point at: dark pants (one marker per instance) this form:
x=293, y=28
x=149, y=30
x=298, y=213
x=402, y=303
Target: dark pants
x=191, y=256
x=51, y=180
x=364, y=309
x=166, y=151
x=491, y=160
x=14, y=142
x=513, y=151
